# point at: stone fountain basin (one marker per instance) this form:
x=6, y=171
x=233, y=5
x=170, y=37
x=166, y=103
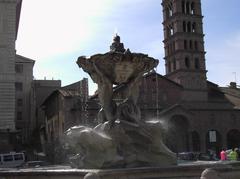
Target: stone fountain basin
x=118, y=67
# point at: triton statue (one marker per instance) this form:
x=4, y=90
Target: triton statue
x=119, y=66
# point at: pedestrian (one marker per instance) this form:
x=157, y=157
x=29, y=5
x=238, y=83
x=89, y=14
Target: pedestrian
x=233, y=155
x=223, y=155
x=238, y=154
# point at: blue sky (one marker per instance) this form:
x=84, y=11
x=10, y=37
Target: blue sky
x=56, y=32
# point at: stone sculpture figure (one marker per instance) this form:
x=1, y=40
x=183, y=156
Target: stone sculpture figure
x=117, y=46
x=105, y=95
x=122, y=137
x=119, y=66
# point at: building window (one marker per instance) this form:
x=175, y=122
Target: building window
x=185, y=44
x=212, y=136
x=171, y=31
x=192, y=8
x=184, y=26
x=18, y=86
x=19, y=68
x=170, y=10
x=196, y=45
x=194, y=27
x=187, y=62
x=19, y=115
x=183, y=6
x=190, y=44
x=196, y=63
x=187, y=8
x=19, y=102
x=189, y=27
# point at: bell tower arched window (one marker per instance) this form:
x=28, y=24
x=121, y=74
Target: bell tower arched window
x=187, y=62
x=169, y=10
x=189, y=27
x=170, y=30
x=192, y=8
x=185, y=44
x=190, y=44
x=183, y=6
x=193, y=27
x=196, y=45
x=184, y=26
x=196, y=63
x=187, y=8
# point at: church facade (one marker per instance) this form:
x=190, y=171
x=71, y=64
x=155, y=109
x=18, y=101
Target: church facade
x=192, y=125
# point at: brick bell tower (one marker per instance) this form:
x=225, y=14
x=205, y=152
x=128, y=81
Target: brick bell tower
x=184, y=47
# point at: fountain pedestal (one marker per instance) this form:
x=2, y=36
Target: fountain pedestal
x=204, y=171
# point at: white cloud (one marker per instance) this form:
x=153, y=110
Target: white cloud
x=55, y=27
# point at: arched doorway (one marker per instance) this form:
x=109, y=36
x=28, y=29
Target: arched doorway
x=177, y=137
x=213, y=141
x=195, y=141
x=233, y=139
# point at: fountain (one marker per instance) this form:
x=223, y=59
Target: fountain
x=121, y=139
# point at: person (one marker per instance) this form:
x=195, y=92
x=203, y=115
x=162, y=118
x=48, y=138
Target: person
x=223, y=155
x=233, y=155
x=238, y=153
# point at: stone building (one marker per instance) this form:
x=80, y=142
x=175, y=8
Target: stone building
x=184, y=47
x=24, y=111
x=65, y=108
x=9, y=19
x=42, y=89
x=192, y=125
x=20, y=94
